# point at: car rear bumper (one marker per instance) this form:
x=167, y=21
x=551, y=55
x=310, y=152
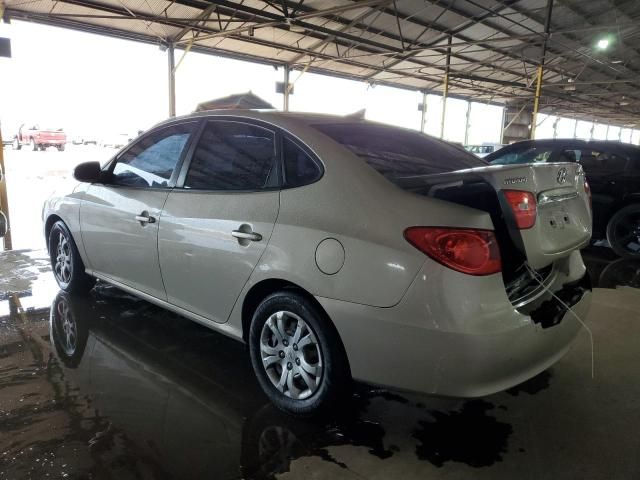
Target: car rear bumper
x=460, y=341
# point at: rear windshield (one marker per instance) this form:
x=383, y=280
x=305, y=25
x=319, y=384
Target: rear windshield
x=520, y=154
x=398, y=153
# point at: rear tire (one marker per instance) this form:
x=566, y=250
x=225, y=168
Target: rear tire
x=297, y=355
x=68, y=268
x=623, y=231
x=61, y=148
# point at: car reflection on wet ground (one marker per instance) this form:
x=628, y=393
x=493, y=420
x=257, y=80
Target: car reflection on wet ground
x=110, y=386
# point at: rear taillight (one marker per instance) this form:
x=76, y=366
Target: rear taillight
x=474, y=252
x=523, y=206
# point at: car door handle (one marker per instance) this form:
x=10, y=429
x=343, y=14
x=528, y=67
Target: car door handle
x=144, y=217
x=254, y=237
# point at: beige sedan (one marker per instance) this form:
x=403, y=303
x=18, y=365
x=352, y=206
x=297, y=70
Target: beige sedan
x=338, y=249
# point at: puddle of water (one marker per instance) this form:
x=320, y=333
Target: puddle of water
x=115, y=387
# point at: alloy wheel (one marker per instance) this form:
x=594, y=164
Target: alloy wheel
x=627, y=233
x=291, y=355
x=63, y=264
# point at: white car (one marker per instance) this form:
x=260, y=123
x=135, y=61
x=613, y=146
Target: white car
x=338, y=249
x=483, y=150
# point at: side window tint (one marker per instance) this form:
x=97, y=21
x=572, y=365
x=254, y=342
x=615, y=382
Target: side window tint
x=570, y=155
x=151, y=161
x=299, y=168
x=232, y=156
x=602, y=162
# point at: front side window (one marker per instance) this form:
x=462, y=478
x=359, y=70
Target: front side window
x=151, y=161
x=233, y=156
x=397, y=153
x=299, y=168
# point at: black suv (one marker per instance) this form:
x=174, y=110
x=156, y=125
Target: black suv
x=613, y=171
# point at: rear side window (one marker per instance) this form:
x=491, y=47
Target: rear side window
x=595, y=161
x=232, y=156
x=398, y=153
x=523, y=154
x=151, y=161
x=570, y=155
x=299, y=168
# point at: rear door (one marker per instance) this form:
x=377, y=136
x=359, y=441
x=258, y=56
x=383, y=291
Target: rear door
x=215, y=228
x=119, y=219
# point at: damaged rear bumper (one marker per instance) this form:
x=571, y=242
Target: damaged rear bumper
x=457, y=335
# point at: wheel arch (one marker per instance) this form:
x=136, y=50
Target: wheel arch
x=631, y=199
x=263, y=289
x=51, y=219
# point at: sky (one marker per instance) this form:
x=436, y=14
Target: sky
x=90, y=84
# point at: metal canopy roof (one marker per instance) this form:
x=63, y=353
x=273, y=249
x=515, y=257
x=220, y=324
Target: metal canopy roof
x=495, y=46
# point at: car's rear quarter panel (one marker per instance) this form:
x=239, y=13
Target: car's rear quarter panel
x=367, y=215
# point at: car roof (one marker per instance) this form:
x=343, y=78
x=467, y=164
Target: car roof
x=305, y=117
x=554, y=142
x=572, y=141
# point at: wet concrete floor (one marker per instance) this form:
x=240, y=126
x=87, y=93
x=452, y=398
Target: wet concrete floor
x=110, y=387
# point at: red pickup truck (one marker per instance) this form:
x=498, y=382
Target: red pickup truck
x=39, y=138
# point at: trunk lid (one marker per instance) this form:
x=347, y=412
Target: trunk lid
x=563, y=217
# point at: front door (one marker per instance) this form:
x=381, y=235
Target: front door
x=214, y=229
x=119, y=219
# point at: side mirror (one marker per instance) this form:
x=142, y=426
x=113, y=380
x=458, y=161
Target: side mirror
x=4, y=225
x=89, y=172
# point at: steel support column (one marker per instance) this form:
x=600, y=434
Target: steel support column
x=466, y=123
x=536, y=102
x=540, y=71
x=4, y=201
x=445, y=90
x=423, y=117
x=172, y=79
x=286, y=89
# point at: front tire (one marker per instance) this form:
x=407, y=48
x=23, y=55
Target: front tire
x=297, y=355
x=623, y=232
x=68, y=268
x=34, y=146
x=16, y=144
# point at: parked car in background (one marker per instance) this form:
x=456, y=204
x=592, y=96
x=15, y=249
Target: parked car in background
x=613, y=172
x=37, y=138
x=337, y=249
x=84, y=140
x=484, y=149
x=117, y=140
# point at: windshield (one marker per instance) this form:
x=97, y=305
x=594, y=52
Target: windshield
x=398, y=153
